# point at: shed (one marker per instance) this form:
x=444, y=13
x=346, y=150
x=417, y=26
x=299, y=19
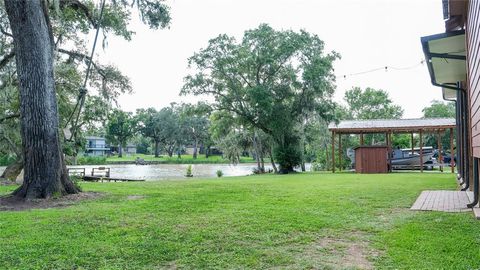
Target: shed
x=371, y=159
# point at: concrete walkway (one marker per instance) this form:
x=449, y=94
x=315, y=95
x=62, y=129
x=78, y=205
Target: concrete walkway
x=442, y=200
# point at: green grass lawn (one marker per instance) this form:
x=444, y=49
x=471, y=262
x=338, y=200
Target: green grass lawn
x=185, y=159
x=301, y=221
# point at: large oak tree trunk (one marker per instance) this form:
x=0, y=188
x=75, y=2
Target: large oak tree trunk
x=45, y=173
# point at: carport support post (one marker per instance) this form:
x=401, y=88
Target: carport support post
x=439, y=142
x=451, y=151
x=413, y=149
x=333, y=151
x=387, y=140
x=361, y=139
x=339, y=152
x=421, y=152
x=390, y=151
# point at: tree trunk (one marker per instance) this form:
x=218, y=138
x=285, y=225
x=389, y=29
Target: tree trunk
x=120, y=151
x=195, y=143
x=257, y=156
x=157, y=152
x=304, y=147
x=44, y=164
x=260, y=153
x=207, y=151
x=13, y=170
x=275, y=170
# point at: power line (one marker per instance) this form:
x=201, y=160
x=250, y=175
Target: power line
x=386, y=68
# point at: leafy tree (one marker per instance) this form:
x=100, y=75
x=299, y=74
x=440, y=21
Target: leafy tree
x=150, y=126
x=194, y=124
x=143, y=144
x=120, y=128
x=172, y=135
x=37, y=29
x=371, y=104
x=162, y=127
x=268, y=80
x=229, y=135
x=439, y=109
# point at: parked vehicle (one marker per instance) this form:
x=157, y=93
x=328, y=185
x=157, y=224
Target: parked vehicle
x=404, y=158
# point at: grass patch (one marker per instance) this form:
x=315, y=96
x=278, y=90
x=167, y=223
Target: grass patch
x=298, y=221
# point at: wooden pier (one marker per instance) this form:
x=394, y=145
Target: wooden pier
x=100, y=174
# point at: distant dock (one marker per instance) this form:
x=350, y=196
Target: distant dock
x=100, y=174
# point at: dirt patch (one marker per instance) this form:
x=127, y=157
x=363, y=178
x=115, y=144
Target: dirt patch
x=135, y=197
x=10, y=203
x=340, y=253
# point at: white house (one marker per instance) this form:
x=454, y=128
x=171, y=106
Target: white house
x=96, y=146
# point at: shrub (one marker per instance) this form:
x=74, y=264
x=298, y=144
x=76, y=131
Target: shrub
x=219, y=173
x=288, y=153
x=189, y=171
x=86, y=160
x=317, y=166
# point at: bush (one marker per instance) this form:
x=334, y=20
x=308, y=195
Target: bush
x=189, y=171
x=86, y=160
x=219, y=173
x=288, y=153
x=316, y=167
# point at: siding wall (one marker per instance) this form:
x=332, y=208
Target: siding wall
x=473, y=62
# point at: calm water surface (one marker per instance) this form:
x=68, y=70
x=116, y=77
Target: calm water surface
x=171, y=171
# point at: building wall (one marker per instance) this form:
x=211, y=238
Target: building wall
x=473, y=63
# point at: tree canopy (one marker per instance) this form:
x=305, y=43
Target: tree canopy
x=370, y=104
x=121, y=127
x=439, y=109
x=269, y=80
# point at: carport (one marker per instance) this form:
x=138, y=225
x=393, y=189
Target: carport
x=389, y=127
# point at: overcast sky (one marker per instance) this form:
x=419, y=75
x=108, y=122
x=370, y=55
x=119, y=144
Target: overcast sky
x=367, y=33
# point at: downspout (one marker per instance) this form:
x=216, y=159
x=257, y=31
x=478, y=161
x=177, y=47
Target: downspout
x=465, y=142
x=475, y=184
x=459, y=160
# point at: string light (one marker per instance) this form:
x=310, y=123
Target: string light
x=386, y=68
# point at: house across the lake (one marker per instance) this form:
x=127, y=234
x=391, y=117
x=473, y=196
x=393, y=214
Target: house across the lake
x=96, y=146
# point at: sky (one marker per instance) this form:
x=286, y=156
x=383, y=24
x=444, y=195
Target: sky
x=368, y=34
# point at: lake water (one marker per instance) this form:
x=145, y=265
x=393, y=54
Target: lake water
x=172, y=171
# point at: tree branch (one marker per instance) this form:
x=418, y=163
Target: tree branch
x=6, y=59
x=78, y=6
x=82, y=57
x=16, y=115
x=3, y=31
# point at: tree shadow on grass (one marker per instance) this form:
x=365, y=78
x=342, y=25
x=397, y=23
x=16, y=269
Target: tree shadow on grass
x=11, y=203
